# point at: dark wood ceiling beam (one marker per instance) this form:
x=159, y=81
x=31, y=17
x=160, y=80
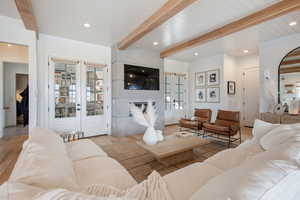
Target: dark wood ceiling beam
x=271, y=12
x=26, y=12
x=169, y=9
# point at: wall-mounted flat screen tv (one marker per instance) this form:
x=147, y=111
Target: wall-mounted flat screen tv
x=140, y=78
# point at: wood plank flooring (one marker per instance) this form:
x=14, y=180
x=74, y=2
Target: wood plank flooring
x=135, y=159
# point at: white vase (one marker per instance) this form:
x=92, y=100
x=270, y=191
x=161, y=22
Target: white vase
x=160, y=136
x=150, y=136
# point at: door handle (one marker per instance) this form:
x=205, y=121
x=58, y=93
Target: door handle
x=6, y=108
x=78, y=109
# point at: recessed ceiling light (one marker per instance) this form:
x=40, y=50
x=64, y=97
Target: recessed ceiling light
x=9, y=45
x=246, y=51
x=155, y=43
x=293, y=23
x=87, y=25
x=196, y=54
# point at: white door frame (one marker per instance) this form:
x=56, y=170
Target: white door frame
x=15, y=33
x=32, y=82
x=81, y=78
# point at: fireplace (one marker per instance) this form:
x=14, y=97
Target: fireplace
x=140, y=104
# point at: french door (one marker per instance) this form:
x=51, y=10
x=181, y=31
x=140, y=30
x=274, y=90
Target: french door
x=175, y=97
x=78, y=97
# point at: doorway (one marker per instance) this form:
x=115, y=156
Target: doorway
x=175, y=97
x=250, y=96
x=14, y=81
x=21, y=92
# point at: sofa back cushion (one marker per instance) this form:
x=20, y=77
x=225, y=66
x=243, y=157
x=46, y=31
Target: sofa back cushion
x=250, y=181
x=280, y=135
x=261, y=128
x=44, y=162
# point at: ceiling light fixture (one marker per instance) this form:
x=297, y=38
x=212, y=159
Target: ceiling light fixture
x=9, y=45
x=155, y=43
x=87, y=25
x=196, y=54
x=246, y=51
x=293, y=23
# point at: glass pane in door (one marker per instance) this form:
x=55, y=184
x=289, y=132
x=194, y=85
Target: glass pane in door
x=168, y=95
x=94, y=91
x=180, y=92
x=65, y=90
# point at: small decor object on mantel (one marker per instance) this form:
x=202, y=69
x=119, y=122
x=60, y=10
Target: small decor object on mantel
x=231, y=87
x=213, y=77
x=148, y=120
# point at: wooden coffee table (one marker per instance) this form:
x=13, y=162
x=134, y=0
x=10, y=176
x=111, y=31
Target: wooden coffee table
x=174, y=149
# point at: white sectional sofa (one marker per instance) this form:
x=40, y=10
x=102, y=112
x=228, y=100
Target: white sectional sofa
x=265, y=168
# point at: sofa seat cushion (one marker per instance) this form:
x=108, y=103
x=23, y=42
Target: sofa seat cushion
x=187, y=123
x=252, y=180
x=183, y=183
x=83, y=149
x=231, y=158
x=223, y=130
x=102, y=170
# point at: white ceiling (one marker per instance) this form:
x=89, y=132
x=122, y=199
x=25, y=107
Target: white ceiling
x=112, y=20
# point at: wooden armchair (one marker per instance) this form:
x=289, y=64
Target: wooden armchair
x=225, y=127
x=201, y=116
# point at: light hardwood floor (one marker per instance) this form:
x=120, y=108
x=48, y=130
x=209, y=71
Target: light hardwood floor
x=135, y=159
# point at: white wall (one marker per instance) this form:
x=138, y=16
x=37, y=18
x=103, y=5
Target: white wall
x=14, y=53
x=271, y=54
x=176, y=66
x=201, y=65
x=231, y=102
x=13, y=31
x=49, y=46
x=10, y=71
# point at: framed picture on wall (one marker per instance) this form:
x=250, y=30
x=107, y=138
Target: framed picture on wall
x=200, y=95
x=213, y=77
x=231, y=87
x=200, y=79
x=213, y=95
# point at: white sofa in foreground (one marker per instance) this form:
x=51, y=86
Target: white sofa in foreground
x=264, y=168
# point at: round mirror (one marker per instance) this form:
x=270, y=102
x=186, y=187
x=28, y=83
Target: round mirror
x=289, y=77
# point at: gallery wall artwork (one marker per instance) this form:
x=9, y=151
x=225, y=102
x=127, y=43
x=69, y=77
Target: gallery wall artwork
x=200, y=79
x=231, y=87
x=213, y=95
x=213, y=77
x=207, y=86
x=201, y=95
